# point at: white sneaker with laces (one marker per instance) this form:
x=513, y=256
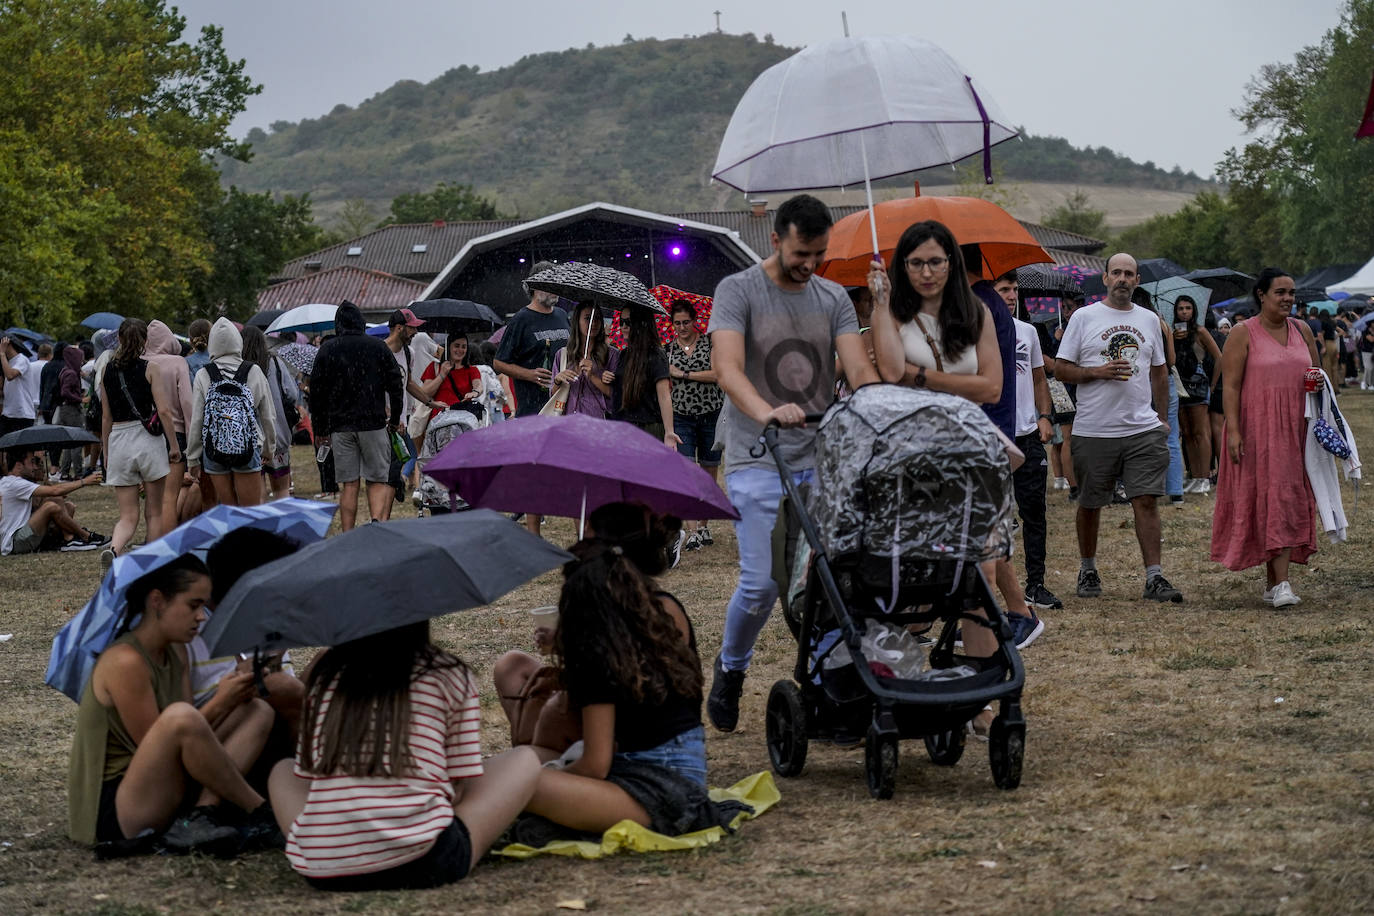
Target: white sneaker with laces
x=1204, y=486
x=1267, y=596
x=1283, y=595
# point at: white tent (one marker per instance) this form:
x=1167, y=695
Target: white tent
x=1362, y=284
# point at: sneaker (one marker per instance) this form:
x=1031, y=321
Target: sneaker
x=1119, y=497
x=94, y=537
x=1025, y=630
x=1176, y=501
x=1061, y=483
x=76, y=544
x=1282, y=595
x=722, y=704
x=704, y=536
x=1073, y=494
x=1159, y=589
x=692, y=543
x=107, y=558
x=1042, y=597
x=200, y=831
x=1204, y=486
x=675, y=552
x=259, y=829
x=1089, y=584
x=1190, y=486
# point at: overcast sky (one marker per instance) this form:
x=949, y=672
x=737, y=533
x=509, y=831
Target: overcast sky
x=1154, y=80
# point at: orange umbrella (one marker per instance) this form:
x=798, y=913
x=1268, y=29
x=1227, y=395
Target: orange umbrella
x=1003, y=243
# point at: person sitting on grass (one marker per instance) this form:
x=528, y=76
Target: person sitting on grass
x=37, y=516
x=142, y=751
x=389, y=789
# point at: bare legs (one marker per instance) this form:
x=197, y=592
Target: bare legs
x=235, y=489
x=127, y=500
x=171, y=496
x=348, y=504
x=1276, y=569
x=1197, y=439
x=1146, y=528
x=379, y=499
x=583, y=803
x=281, y=485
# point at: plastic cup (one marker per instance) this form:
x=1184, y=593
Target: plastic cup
x=1181, y=326
x=545, y=617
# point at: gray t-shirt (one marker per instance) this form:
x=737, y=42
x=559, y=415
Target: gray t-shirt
x=789, y=356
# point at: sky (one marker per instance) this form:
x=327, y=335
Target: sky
x=1154, y=80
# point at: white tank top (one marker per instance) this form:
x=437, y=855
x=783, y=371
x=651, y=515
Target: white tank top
x=918, y=351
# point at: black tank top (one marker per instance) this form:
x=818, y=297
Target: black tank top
x=135, y=377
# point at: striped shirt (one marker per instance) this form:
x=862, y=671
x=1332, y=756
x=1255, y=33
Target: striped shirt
x=358, y=824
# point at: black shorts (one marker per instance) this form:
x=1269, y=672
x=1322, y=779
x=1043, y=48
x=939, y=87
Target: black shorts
x=107, y=827
x=448, y=860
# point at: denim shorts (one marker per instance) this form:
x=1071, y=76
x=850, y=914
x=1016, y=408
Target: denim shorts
x=252, y=466
x=698, y=434
x=684, y=754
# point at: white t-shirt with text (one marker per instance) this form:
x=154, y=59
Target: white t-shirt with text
x=1028, y=358
x=1096, y=335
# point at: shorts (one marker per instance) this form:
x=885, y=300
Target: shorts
x=698, y=434
x=107, y=827
x=278, y=464
x=135, y=456
x=251, y=466
x=684, y=754
x=448, y=860
x=364, y=453
x=181, y=445
x=1140, y=462
x=26, y=541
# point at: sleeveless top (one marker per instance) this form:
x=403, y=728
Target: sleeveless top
x=103, y=748
x=136, y=377
x=918, y=351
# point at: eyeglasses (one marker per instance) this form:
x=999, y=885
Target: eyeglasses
x=683, y=324
x=936, y=265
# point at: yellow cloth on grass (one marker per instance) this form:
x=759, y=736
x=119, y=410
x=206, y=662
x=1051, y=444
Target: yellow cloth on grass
x=757, y=791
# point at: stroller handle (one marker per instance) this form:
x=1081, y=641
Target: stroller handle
x=768, y=438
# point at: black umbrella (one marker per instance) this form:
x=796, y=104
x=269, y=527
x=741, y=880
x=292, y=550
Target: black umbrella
x=264, y=318
x=1152, y=270
x=1224, y=282
x=1043, y=280
x=43, y=437
x=377, y=577
x=455, y=316
x=609, y=288
x=1305, y=294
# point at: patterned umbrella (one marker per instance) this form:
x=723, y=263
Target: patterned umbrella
x=666, y=295
x=609, y=288
x=299, y=356
x=1037, y=280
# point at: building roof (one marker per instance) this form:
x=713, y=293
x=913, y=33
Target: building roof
x=369, y=290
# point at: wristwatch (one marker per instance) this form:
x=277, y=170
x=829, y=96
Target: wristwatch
x=1046, y=416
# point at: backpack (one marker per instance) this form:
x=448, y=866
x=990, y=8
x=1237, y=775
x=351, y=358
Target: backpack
x=230, y=433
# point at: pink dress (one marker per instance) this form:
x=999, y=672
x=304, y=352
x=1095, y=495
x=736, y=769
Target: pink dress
x=1265, y=503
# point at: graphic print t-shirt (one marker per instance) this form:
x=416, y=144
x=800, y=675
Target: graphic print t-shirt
x=1096, y=335
x=531, y=339
x=789, y=356
x=1028, y=357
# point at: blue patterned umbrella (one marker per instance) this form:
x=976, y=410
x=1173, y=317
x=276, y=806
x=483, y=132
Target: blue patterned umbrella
x=86, y=635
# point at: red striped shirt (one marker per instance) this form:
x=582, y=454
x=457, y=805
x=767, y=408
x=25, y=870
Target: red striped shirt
x=355, y=824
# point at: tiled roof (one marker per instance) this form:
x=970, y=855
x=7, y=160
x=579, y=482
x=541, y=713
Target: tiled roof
x=392, y=248
x=369, y=290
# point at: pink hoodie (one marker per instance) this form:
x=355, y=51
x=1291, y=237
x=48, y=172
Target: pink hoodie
x=163, y=349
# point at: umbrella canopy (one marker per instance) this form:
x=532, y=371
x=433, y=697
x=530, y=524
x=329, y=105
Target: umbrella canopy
x=841, y=111
x=1224, y=282
x=1153, y=269
x=299, y=356
x=40, y=437
x=102, y=321
x=1003, y=243
x=1328, y=306
x=88, y=633
x=25, y=334
x=351, y=586
x=1166, y=292
x=1042, y=280
x=569, y=465
x=609, y=288
x=455, y=316
x=264, y=318
x=666, y=295
x=313, y=318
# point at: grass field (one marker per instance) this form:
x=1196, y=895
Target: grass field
x=1215, y=756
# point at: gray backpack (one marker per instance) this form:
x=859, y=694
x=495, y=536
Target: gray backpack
x=230, y=432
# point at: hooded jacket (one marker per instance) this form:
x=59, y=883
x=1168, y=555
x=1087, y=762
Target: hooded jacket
x=355, y=379
x=174, y=378
x=49, y=381
x=69, y=388
x=226, y=343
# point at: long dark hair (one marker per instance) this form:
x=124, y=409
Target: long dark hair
x=643, y=535
x=636, y=386
x=961, y=313
x=364, y=731
x=254, y=349
x=1192, y=322
x=600, y=350
x=612, y=631
x=133, y=336
x=467, y=352
x=1265, y=280
x=170, y=580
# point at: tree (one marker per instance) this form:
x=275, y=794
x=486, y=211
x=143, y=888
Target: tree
x=109, y=117
x=356, y=218
x=449, y=202
x=970, y=182
x=1076, y=214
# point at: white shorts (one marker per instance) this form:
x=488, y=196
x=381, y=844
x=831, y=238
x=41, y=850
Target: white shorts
x=134, y=456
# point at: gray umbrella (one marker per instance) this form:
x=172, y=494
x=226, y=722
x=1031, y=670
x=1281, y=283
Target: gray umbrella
x=609, y=288
x=377, y=577
x=39, y=437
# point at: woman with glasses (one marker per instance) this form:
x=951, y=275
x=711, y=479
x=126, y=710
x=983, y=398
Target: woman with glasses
x=697, y=401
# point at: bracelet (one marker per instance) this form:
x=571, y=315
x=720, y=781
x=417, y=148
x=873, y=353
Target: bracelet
x=1046, y=416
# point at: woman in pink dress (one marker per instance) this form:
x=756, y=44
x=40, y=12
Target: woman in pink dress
x=1264, y=502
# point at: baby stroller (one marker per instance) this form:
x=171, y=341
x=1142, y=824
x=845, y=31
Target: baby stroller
x=432, y=497
x=912, y=490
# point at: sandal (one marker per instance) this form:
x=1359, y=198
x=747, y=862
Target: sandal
x=978, y=726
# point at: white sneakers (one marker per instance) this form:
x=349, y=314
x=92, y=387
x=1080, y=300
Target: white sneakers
x=1280, y=595
x=1061, y=483
x=1198, y=485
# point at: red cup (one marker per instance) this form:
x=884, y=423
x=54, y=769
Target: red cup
x=1312, y=379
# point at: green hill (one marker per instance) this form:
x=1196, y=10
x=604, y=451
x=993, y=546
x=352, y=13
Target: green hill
x=636, y=123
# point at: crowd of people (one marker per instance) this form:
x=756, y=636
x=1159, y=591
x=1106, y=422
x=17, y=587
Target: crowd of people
x=367, y=770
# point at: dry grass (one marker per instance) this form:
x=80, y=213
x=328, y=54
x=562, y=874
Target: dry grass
x=1162, y=775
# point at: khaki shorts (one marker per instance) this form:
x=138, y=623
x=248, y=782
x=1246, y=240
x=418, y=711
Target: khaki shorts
x=1139, y=462
x=362, y=454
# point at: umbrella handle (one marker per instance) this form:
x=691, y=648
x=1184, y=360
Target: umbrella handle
x=868, y=190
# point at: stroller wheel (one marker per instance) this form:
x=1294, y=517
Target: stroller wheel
x=786, y=729
x=1006, y=751
x=880, y=763
x=946, y=748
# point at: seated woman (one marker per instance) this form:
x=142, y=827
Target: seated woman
x=456, y=380
x=140, y=744
x=389, y=789
x=628, y=661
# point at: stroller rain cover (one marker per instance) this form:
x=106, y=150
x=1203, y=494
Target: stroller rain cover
x=911, y=473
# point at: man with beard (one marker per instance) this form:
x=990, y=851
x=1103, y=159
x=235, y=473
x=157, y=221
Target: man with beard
x=1114, y=352
x=35, y=516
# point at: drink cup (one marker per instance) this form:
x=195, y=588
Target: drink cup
x=1181, y=326
x=1312, y=379
x=545, y=617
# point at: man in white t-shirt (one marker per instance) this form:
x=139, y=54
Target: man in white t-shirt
x=1034, y=427
x=17, y=412
x=1114, y=352
x=35, y=516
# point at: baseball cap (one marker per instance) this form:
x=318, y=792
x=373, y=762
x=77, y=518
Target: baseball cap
x=404, y=316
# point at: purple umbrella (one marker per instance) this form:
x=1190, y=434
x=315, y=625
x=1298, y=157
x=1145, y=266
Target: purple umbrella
x=567, y=466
